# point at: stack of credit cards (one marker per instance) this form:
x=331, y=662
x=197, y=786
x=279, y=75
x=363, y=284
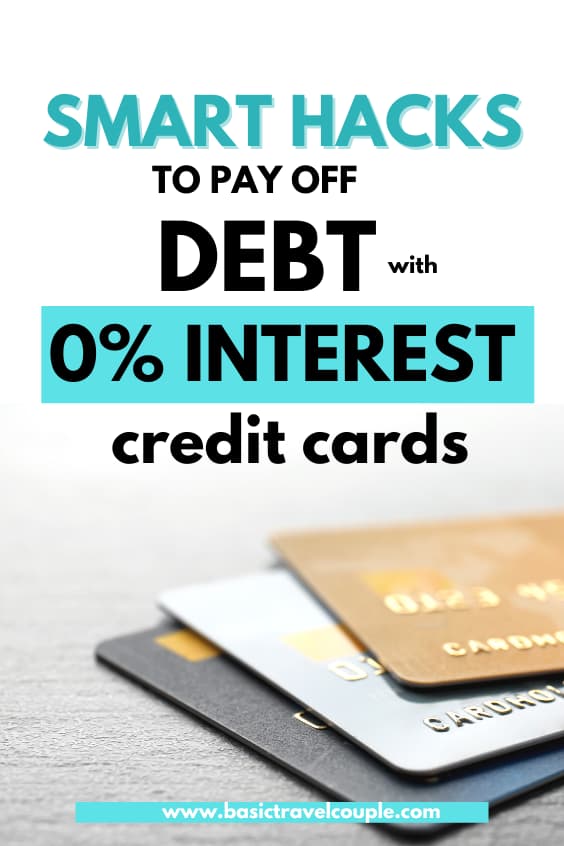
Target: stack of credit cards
x=414, y=663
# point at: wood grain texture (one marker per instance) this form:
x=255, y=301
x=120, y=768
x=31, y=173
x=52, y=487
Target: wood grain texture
x=85, y=546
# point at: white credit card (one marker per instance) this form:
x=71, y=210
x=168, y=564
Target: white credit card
x=270, y=623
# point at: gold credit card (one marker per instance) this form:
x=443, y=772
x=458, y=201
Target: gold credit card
x=446, y=602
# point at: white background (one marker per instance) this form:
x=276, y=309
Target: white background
x=82, y=226
x=86, y=543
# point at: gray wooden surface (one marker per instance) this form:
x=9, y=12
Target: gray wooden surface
x=85, y=545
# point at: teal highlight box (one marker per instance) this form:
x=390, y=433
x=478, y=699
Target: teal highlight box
x=282, y=812
x=167, y=340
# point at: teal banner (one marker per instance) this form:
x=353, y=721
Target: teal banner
x=287, y=354
x=282, y=812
